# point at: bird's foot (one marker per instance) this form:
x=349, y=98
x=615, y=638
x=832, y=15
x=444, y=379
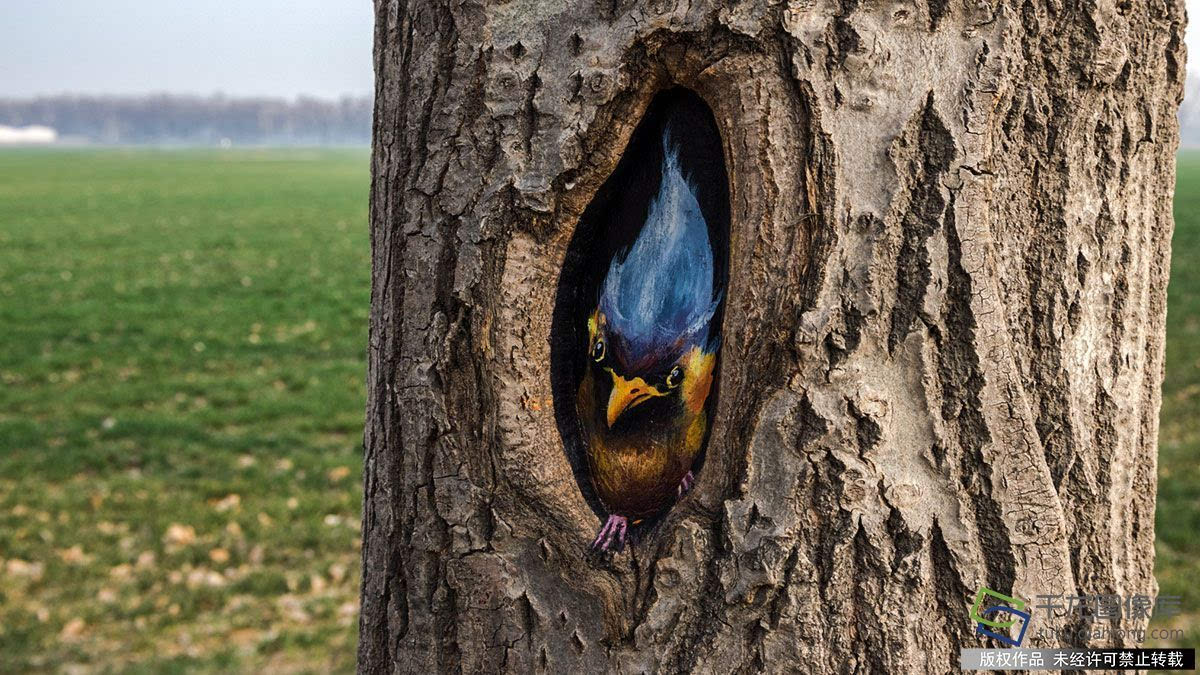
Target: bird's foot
x=685, y=485
x=613, y=533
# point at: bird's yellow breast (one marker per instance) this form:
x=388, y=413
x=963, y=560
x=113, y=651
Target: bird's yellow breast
x=638, y=477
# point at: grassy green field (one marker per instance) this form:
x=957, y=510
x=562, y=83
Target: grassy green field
x=181, y=400
x=181, y=403
x=1178, y=522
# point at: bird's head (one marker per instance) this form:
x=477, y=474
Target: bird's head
x=672, y=387
x=651, y=339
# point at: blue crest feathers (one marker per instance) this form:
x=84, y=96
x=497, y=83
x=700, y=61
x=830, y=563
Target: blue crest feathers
x=658, y=296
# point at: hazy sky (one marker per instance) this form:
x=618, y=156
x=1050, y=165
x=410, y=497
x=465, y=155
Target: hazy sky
x=240, y=47
x=1192, y=38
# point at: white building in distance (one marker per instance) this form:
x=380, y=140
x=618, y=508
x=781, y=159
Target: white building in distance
x=31, y=135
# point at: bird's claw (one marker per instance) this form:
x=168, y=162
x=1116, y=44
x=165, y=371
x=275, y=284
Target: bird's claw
x=613, y=532
x=685, y=485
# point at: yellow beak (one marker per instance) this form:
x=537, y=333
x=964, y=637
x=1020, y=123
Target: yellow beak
x=626, y=394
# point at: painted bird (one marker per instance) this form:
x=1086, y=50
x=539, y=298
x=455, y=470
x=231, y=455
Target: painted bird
x=652, y=346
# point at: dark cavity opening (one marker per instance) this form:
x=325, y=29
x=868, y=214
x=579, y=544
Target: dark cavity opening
x=609, y=226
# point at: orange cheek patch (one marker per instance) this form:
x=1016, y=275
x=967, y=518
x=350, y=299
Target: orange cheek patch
x=594, y=322
x=697, y=380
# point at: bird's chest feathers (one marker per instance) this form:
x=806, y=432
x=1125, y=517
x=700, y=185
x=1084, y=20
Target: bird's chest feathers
x=649, y=451
x=632, y=471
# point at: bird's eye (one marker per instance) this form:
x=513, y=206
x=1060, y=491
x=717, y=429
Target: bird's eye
x=675, y=377
x=598, y=351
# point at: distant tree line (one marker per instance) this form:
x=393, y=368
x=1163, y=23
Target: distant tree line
x=196, y=120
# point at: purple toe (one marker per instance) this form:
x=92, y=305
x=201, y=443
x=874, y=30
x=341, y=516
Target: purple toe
x=685, y=485
x=613, y=532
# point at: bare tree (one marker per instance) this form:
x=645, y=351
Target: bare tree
x=943, y=334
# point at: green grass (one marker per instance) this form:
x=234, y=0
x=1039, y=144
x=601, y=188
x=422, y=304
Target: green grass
x=1178, y=519
x=182, y=339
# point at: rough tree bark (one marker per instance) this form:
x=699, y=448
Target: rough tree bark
x=943, y=346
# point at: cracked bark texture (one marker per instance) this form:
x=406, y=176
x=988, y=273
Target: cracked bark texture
x=950, y=236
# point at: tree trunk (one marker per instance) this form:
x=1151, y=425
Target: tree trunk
x=943, y=334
